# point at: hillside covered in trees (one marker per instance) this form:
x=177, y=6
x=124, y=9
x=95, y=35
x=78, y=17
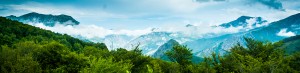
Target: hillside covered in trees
x=28, y=49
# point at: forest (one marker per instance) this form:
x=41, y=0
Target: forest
x=29, y=49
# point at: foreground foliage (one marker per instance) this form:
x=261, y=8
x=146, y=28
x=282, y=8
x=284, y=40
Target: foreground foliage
x=27, y=49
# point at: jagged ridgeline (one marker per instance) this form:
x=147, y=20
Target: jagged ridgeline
x=14, y=32
x=47, y=20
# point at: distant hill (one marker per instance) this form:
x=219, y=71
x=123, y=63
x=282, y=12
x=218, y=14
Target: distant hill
x=14, y=31
x=46, y=19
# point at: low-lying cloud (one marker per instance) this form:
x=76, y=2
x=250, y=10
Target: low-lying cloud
x=90, y=31
x=94, y=31
x=284, y=33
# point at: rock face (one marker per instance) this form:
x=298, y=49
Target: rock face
x=47, y=20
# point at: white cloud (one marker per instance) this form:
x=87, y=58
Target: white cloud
x=91, y=31
x=154, y=13
x=168, y=16
x=250, y=23
x=174, y=5
x=284, y=33
x=235, y=11
x=253, y=21
x=197, y=30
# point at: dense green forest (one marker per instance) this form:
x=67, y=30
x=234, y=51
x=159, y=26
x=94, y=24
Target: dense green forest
x=28, y=49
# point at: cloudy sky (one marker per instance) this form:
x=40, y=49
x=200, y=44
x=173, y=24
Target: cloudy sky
x=142, y=14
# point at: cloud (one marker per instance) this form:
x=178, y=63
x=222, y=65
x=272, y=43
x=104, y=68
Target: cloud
x=202, y=0
x=274, y=4
x=93, y=31
x=210, y=1
x=53, y=9
x=284, y=33
x=90, y=31
x=291, y=4
x=219, y=0
x=197, y=30
x=255, y=22
x=142, y=14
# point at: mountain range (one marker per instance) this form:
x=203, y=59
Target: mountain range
x=26, y=48
x=206, y=46
x=156, y=43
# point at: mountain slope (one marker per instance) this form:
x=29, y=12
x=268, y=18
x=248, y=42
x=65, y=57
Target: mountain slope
x=291, y=44
x=152, y=41
x=205, y=46
x=245, y=21
x=160, y=53
x=47, y=20
x=116, y=41
x=13, y=31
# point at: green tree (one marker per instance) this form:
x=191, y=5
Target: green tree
x=257, y=56
x=12, y=61
x=135, y=56
x=180, y=54
x=206, y=66
x=55, y=57
x=294, y=61
x=100, y=65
